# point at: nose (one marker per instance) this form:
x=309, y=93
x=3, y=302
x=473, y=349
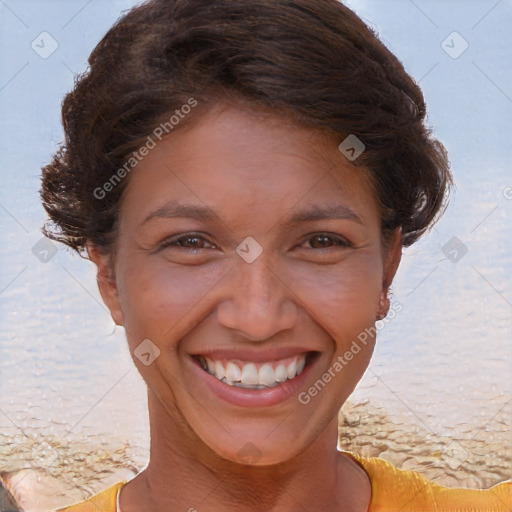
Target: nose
x=258, y=302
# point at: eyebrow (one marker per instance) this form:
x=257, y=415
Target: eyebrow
x=328, y=211
x=178, y=209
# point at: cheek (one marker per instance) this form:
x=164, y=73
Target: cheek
x=341, y=298
x=159, y=297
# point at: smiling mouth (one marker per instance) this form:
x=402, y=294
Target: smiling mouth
x=251, y=375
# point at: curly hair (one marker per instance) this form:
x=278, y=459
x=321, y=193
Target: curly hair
x=311, y=61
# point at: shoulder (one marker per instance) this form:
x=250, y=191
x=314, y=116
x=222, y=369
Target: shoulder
x=409, y=491
x=104, y=501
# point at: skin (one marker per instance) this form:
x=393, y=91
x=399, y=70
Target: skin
x=254, y=172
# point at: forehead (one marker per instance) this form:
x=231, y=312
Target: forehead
x=235, y=162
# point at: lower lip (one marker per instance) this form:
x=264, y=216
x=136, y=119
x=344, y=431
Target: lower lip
x=253, y=397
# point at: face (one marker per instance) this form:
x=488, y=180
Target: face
x=250, y=254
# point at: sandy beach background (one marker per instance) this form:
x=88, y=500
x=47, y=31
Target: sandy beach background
x=68, y=472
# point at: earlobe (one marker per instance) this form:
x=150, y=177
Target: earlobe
x=106, y=281
x=383, y=308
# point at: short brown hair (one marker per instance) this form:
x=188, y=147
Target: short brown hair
x=312, y=61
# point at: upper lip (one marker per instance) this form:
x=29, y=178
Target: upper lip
x=257, y=356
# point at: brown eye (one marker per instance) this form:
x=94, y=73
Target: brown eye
x=194, y=242
x=326, y=241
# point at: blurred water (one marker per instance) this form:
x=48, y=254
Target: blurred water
x=69, y=390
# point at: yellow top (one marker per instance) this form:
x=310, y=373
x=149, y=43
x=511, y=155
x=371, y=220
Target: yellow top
x=393, y=490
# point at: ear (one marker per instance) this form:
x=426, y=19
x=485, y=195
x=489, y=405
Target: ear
x=392, y=257
x=106, y=281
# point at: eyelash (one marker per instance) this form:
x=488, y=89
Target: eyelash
x=340, y=241
x=171, y=241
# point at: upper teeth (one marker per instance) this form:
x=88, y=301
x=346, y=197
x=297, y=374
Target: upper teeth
x=248, y=375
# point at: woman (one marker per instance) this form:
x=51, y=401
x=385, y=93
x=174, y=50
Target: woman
x=245, y=175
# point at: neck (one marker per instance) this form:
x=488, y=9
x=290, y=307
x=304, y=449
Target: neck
x=185, y=474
